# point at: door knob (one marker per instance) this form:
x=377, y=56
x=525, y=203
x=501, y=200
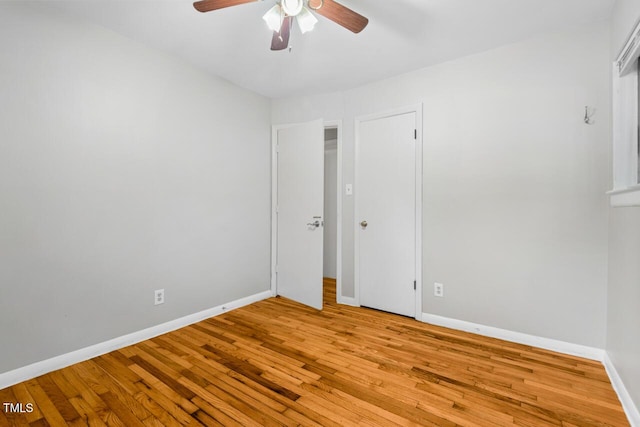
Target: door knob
x=363, y=224
x=315, y=224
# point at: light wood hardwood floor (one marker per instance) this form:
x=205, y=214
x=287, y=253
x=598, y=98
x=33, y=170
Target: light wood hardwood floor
x=277, y=362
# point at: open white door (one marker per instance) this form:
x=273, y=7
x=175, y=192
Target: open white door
x=298, y=208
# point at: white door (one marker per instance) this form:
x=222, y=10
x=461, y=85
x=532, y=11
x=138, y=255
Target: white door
x=386, y=207
x=299, y=207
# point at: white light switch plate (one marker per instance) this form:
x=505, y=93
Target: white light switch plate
x=348, y=189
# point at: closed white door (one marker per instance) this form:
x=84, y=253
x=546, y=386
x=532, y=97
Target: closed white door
x=299, y=209
x=386, y=208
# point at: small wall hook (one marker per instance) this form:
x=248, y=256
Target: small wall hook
x=587, y=116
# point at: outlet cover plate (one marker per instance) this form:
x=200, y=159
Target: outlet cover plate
x=158, y=297
x=438, y=289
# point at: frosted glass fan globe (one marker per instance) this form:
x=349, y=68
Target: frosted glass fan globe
x=292, y=7
x=306, y=20
x=273, y=19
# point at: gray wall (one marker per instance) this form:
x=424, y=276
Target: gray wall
x=623, y=314
x=515, y=212
x=122, y=171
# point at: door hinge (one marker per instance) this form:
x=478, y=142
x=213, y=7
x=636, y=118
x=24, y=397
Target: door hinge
x=415, y=134
x=414, y=285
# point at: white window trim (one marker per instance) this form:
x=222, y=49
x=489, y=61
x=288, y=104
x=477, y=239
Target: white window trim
x=629, y=196
x=626, y=188
x=630, y=51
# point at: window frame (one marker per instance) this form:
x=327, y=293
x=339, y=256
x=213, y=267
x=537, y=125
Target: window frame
x=626, y=124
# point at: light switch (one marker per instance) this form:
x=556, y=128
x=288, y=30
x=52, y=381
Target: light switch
x=348, y=189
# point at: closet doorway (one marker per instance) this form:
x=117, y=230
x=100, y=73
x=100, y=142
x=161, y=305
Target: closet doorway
x=332, y=229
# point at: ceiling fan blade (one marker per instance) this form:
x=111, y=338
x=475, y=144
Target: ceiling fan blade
x=209, y=5
x=341, y=15
x=280, y=40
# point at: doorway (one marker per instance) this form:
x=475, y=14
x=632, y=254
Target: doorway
x=332, y=263
x=330, y=247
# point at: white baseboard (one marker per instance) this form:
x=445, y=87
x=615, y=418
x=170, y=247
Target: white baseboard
x=15, y=376
x=633, y=414
x=517, y=337
x=348, y=301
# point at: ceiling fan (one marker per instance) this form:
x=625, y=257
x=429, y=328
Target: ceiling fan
x=281, y=16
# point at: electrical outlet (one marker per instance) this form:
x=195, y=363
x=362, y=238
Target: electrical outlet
x=438, y=289
x=158, y=296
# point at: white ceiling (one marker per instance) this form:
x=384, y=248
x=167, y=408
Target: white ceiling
x=402, y=35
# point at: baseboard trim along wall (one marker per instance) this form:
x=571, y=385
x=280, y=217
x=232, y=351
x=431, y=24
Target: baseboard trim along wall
x=517, y=337
x=633, y=414
x=347, y=301
x=15, y=376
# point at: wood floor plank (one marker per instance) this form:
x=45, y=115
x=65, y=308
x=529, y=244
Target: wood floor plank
x=4, y=422
x=164, y=392
x=11, y=418
x=155, y=409
x=118, y=387
x=47, y=407
x=121, y=411
x=89, y=416
x=22, y=395
x=168, y=406
x=58, y=398
x=277, y=362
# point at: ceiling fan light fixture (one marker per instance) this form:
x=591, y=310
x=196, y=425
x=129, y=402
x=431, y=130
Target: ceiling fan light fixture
x=273, y=18
x=306, y=20
x=292, y=7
